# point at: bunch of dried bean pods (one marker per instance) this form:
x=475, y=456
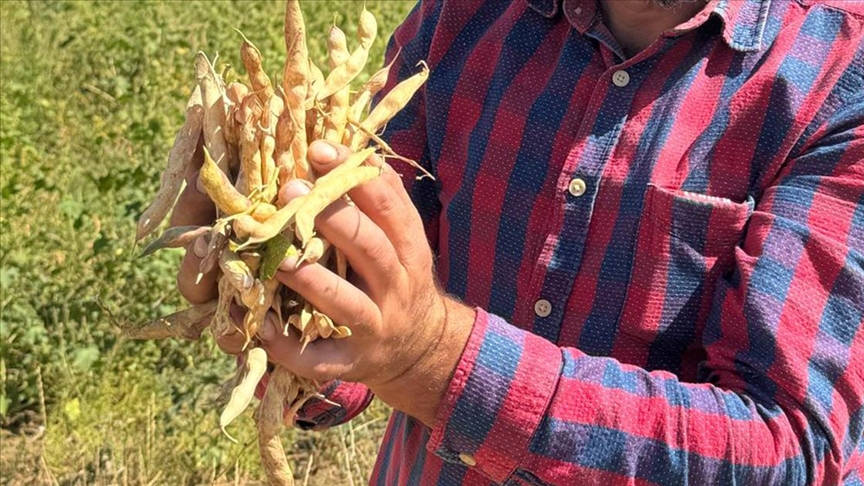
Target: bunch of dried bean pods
x=255, y=141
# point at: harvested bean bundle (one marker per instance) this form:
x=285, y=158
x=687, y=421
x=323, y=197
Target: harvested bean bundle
x=255, y=141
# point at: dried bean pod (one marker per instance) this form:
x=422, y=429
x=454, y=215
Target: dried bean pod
x=324, y=194
x=177, y=237
x=254, y=367
x=338, y=104
x=269, y=420
x=251, y=56
x=187, y=324
x=392, y=103
x=342, y=76
x=227, y=199
x=178, y=159
x=215, y=113
x=295, y=80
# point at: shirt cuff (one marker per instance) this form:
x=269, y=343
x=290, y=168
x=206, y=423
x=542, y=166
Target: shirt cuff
x=497, y=398
x=345, y=401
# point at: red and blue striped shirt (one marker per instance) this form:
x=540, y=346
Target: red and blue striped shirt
x=666, y=251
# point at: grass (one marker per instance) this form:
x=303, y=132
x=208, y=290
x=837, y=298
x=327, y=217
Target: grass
x=91, y=94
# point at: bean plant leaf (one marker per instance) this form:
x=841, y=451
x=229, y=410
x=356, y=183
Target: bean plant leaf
x=277, y=249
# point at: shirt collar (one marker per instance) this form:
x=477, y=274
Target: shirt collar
x=743, y=20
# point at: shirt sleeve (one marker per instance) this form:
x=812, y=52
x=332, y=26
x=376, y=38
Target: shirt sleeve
x=779, y=398
x=343, y=401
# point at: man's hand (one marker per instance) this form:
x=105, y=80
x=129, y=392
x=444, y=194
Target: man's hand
x=407, y=334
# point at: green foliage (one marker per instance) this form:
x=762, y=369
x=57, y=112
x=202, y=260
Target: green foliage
x=92, y=95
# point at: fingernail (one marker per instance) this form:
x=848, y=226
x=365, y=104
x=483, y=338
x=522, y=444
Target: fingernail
x=268, y=331
x=326, y=153
x=200, y=246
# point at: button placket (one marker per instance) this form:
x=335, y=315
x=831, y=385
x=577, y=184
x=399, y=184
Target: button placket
x=597, y=137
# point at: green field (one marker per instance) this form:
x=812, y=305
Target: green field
x=91, y=96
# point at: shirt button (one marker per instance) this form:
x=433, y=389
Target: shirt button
x=578, y=10
x=621, y=78
x=542, y=308
x=467, y=460
x=577, y=187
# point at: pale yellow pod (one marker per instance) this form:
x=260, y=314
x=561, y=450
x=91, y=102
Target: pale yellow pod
x=269, y=421
x=253, y=296
x=295, y=79
x=390, y=105
x=263, y=211
x=249, y=176
x=254, y=367
x=234, y=94
x=276, y=106
x=222, y=323
x=269, y=174
x=367, y=29
x=325, y=325
x=338, y=104
x=370, y=88
x=215, y=112
x=341, y=332
x=316, y=82
x=255, y=317
x=286, y=132
x=253, y=232
x=252, y=259
x=236, y=270
x=251, y=57
x=313, y=251
x=186, y=324
x=219, y=188
x=178, y=159
x=324, y=194
x=341, y=77
x=314, y=122
x=353, y=161
x=306, y=316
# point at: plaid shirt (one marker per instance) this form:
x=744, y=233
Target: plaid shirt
x=666, y=251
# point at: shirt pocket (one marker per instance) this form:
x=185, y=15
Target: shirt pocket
x=685, y=242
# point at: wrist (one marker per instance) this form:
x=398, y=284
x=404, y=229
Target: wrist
x=420, y=390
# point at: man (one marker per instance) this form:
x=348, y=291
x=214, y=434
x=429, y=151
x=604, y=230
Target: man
x=648, y=217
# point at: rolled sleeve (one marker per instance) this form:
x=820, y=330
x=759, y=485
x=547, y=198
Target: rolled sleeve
x=344, y=402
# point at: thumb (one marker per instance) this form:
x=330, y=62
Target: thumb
x=325, y=156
